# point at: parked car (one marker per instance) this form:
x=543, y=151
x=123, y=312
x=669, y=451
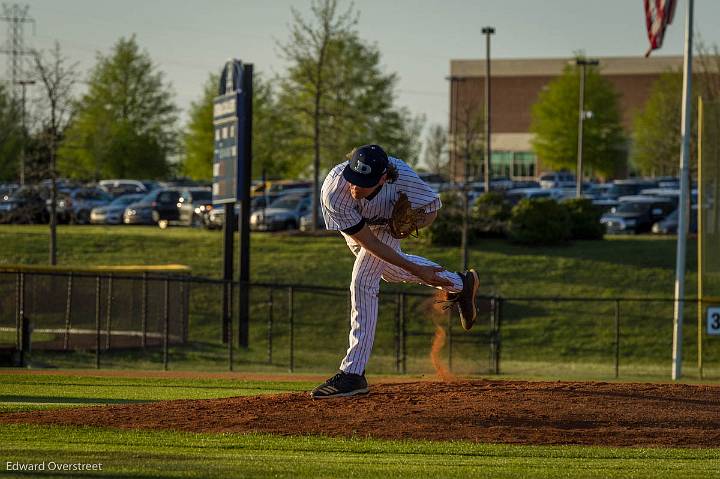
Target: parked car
x=112, y=214
x=514, y=196
x=6, y=190
x=500, y=183
x=636, y=214
x=25, y=205
x=597, y=191
x=74, y=206
x=306, y=221
x=216, y=217
x=282, y=214
x=158, y=205
x=434, y=180
x=561, y=179
x=605, y=204
x=194, y=205
x=669, y=225
x=278, y=187
x=117, y=188
x=629, y=187
x=262, y=201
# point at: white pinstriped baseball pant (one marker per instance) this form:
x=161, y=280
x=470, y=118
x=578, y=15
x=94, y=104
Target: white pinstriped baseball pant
x=364, y=291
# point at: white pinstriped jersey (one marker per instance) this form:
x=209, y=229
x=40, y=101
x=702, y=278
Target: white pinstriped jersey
x=343, y=212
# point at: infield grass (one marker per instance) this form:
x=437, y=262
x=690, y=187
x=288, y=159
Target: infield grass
x=135, y=453
x=170, y=454
x=19, y=392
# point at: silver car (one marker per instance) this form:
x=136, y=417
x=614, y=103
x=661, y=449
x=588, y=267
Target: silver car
x=282, y=214
x=112, y=214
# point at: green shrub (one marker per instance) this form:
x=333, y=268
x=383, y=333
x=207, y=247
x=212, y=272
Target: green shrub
x=584, y=219
x=539, y=221
x=490, y=215
x=447, y=228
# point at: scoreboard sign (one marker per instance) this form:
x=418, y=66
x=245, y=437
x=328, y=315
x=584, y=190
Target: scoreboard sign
x=228, y=126
x=713, y=321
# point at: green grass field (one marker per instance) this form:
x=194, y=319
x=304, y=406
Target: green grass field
x=132, y=454
x=578, y=337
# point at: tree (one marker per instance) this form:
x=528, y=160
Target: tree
x=555, y=123
x=436, y=150
x=125, y=125
x=270, y=133
x=656, y=128
x=11, y=136
x=56, y=108
x=198, y=142
x=337, y=95
x=469, y=139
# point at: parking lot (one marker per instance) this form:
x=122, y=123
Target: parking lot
x=629, y=206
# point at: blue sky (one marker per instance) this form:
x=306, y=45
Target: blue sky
x=417, y=39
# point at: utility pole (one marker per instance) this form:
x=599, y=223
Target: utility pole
x=23, y=84
x=16, y=17
x=488, y=150
x=582, y=63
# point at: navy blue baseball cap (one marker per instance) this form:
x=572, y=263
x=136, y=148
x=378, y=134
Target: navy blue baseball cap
x=367, y=164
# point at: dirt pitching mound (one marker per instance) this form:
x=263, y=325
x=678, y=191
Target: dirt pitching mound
x=515, y=412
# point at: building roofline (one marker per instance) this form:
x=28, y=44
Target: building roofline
x=519, y=67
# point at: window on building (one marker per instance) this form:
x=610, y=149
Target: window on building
x=524, y=164
x=501, y=164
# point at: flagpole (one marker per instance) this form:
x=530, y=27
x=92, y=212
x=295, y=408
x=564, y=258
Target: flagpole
x=683, y=211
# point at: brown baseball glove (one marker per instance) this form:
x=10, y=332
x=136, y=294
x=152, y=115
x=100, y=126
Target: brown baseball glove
x=404, y=219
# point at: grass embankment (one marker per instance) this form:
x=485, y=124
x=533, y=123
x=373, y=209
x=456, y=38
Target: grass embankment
x=554, y=337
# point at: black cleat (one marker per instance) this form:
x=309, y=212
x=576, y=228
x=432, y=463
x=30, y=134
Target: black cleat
x=465, y=299
x=340, y=385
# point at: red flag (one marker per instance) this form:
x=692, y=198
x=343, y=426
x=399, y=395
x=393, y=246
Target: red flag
x=658, y=15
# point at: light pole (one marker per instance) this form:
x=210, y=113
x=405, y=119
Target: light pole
x=24, y=84
x=582, y=63
x=487, y=31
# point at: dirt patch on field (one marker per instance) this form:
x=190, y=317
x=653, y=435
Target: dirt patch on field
x=516, y=412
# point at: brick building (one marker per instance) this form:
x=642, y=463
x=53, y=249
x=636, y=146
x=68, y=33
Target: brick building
x=515, y=86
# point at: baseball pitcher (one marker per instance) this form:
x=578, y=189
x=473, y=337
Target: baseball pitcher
x=375, y=201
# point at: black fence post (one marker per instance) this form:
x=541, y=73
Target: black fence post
x=166, y=324
x=292, y=328
x=270, y=326
x=403, y=334
x=493, y=319
x=97, y=321
x=19, y=295
x=25, y=340
x=183, y=315
x=449, y=339
x=497, y=308
x=68, y=311
x=617, y=338
x=144, y=308
x=108, y=312
x=229, y=323
x=397, y=333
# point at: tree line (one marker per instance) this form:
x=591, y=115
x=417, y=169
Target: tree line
x=334, y=95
